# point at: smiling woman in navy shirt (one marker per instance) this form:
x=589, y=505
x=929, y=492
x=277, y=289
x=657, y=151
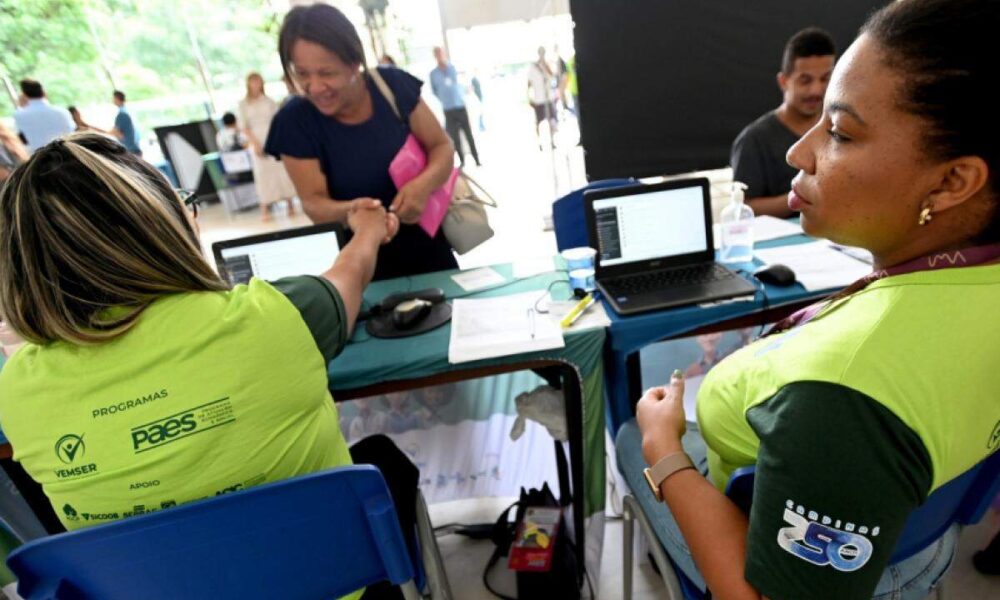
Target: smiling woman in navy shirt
x=339, y=136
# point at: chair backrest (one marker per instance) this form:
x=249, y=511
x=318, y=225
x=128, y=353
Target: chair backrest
x=962, y=500
x=317, y=536
x=568, y=217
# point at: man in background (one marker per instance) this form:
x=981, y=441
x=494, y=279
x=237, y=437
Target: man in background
x=37, y=121
x=542, y=96
x=124, y=128
x=444, y=84
x=758, y=154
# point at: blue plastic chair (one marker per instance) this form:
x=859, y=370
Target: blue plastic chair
x=318, y=536
x=569, y=219
x=963, y=500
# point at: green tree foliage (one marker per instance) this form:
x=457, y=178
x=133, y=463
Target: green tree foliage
x=47, y=40
x=146, y=46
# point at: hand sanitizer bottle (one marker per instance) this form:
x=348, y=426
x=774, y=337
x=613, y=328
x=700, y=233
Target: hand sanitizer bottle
x=736, y=228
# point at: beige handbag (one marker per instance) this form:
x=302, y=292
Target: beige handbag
x=466, y=225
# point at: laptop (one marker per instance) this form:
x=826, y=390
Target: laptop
x=654, y=247
x=269, y=256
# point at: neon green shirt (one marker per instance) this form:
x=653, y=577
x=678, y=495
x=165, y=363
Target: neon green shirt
x=209, y=393
x=852, y=420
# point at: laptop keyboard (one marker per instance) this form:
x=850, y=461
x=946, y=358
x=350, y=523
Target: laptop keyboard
x=658, y=280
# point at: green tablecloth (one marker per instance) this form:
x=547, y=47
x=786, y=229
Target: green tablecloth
x=368, y=361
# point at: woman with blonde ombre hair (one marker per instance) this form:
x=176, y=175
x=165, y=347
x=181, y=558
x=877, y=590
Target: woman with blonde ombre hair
x=256, y=111
x=134, y=344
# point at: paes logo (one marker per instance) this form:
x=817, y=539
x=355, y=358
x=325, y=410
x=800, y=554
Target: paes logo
x=70, y=447
x=820, y=544
x=70, y=513
x=151, y=435
x=182, y=425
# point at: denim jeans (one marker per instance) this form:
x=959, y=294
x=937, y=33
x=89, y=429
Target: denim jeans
x=911, y=579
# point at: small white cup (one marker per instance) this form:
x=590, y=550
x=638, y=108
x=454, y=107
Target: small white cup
x=579, y=258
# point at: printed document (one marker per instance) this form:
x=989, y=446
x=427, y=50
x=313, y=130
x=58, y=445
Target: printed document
x=501, y=326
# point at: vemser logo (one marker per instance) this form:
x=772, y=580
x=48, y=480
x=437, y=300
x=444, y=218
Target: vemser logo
x=70, y=449
x=994, y=440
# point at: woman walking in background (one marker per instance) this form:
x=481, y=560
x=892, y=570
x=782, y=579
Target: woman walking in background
x=256, y=112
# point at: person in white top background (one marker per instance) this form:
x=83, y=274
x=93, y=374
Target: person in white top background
x=542, y=96
x=37, y=120
x=256, y=110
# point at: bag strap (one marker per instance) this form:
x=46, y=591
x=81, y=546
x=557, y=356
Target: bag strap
x=503, y=536
x=386, y=91
x=487, y=199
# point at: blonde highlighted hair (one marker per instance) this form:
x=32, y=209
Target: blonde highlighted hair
x=90, y=236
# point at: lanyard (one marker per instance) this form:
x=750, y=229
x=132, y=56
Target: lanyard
x=966, y=257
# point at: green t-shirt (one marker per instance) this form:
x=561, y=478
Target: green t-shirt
x=852, y=420
x=208, y=393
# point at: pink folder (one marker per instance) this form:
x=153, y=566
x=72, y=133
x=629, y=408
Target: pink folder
x=410, y=162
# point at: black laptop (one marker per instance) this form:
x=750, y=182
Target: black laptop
x=269, y=256
x=654, y=246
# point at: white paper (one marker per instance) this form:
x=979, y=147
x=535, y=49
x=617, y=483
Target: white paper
x=478, y=279
x=764, y=228
x=533, y=266
x=817, y=266
x=691, y=387
x=490, y=327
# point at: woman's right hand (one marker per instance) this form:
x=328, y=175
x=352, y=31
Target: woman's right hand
x=369, y=216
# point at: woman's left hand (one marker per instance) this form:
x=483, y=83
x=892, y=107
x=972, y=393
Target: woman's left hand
x=410, y=202
x=660, y=414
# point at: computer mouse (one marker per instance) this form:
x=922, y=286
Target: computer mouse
x=407, y=314
x=776, y=274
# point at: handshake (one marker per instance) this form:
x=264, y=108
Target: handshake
x=367, y=216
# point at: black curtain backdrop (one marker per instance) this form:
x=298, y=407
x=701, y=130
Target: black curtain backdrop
x=666, y=85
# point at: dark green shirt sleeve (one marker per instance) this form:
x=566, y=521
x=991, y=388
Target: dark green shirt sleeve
x=837, y=476
x=321, y=308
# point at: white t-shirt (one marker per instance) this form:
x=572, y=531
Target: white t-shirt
x=542, y=90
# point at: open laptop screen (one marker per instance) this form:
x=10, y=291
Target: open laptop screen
x=655, y=224
x=307, y=251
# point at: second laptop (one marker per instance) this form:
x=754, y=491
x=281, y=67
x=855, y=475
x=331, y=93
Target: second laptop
x=655, y=248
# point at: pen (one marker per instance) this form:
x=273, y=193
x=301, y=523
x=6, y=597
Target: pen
x=531, y=321
x=580, y=308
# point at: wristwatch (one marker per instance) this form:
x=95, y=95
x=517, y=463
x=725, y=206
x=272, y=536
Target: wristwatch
x=665, y=467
